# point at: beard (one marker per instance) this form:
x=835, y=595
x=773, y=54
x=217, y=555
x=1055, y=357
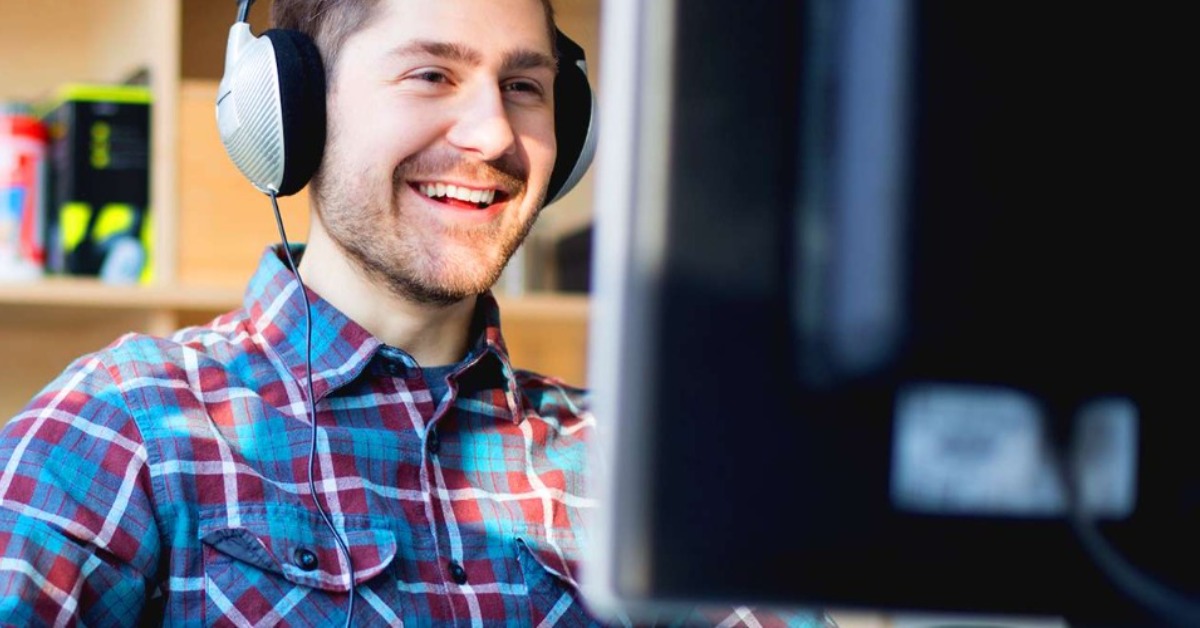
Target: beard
x=397, y=245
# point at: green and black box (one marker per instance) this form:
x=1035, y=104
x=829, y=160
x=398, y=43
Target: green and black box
x=99, y=183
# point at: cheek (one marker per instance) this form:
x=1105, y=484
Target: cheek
x=541, y=149
x=376, y=134
x=536, y=130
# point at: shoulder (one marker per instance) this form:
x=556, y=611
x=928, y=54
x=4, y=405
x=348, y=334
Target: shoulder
x=225, y=341
x=136, y=363
x=139, y=371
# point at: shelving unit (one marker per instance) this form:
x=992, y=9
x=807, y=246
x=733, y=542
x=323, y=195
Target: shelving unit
x=210, y=226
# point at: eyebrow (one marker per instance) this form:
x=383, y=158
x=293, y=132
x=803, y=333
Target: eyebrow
x=514, y=60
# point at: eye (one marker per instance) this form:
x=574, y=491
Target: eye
x=432, y=76
x=427, y=80
x=523, y=88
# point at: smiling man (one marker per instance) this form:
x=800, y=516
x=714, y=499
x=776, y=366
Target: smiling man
x=186, y=481
x=441, y=144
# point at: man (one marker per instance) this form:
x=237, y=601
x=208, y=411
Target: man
x=169, y=480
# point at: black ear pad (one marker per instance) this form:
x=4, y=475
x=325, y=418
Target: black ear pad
x=302, y=106
x=572, y=118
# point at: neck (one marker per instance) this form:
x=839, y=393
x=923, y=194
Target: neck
x=432, y=334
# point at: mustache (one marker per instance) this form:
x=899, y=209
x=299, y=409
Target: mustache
x=507, y=173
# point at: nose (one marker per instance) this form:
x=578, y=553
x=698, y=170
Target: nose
x=482, y=126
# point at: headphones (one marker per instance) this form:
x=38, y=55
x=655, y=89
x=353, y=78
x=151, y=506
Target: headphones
x=271, y=109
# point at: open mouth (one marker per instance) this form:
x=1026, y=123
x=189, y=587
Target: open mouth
x=461, y=196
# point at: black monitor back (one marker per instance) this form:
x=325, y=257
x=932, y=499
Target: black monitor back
x=865, y=197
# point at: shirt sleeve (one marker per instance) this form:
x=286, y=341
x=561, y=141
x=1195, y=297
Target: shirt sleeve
x=78, y=540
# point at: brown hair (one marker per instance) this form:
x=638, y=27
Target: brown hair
x=330, y=22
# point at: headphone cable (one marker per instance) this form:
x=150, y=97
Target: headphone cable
x=312, y=412
x=243, y=9
x=1166, y=602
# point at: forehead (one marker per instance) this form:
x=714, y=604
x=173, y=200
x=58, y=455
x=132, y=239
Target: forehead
x=483, y=24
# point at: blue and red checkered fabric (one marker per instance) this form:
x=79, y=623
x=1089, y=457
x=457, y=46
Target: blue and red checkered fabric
x=166, y=481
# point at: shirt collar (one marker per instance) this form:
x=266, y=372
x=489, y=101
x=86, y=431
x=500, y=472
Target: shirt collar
x=488, y=356
x=341, y=348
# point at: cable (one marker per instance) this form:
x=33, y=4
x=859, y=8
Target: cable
x=1165, y=603
x=243, y=9
x=312, y=411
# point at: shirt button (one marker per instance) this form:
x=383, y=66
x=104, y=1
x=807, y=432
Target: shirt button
x=457, y=573
x=393, y=368
x=305, y=559
x=433, y=443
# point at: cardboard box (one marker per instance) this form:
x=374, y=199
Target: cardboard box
x=98, y=217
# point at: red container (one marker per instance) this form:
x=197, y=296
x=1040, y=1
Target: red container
x=23, y=141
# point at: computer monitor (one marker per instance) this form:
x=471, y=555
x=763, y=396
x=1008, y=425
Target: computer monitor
x=891, y=308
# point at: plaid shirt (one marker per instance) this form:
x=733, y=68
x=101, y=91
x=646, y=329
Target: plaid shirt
x=166, y=480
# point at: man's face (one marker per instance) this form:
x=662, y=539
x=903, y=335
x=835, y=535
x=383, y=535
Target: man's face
x=441, y=142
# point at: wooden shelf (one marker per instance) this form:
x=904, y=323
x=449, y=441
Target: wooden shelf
x=83, y=292
x=78, y=292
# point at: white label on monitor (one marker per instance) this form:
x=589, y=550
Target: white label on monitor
x=976, y=450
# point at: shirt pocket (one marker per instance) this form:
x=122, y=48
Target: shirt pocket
x=286, y=569
x=554, y=597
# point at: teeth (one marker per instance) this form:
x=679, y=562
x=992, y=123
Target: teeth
x=438, y=190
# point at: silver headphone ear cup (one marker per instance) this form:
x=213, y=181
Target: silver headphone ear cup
x=578, y=163
x=249, y=115
x=574, y=119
